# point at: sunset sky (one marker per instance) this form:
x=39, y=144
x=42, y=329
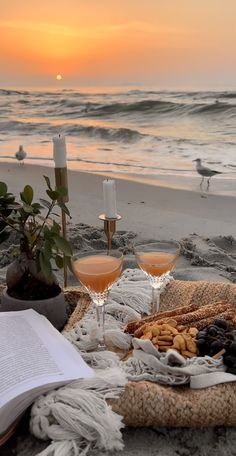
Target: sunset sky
x=166, y=43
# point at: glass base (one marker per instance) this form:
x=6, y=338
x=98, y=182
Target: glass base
x=100, y=312
x=155, y=300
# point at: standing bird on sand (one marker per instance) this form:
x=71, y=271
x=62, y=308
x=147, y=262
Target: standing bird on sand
x=205, y=172
x=20, y=155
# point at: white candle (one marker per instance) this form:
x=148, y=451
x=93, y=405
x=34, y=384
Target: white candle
x=109, y=198
x=59, y=151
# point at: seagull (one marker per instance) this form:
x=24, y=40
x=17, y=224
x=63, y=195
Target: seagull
x=205, y=172
x=20, y=155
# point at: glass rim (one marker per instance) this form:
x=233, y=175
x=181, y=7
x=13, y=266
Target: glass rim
x=96, y=252
x=175, y=244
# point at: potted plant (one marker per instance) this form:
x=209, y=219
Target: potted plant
x=31, y=282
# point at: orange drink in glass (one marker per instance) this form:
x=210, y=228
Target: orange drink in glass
x=157, y=259
x=98, y=271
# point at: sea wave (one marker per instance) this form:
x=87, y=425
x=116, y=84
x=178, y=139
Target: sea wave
x=227, y=95
x=161, y=107
x=108, y=134
x=215, y=108
x=111, y=134
x=75, y=104
x=28, y=128
x=13, y=92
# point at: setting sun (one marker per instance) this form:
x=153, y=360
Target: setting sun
x=59, y=77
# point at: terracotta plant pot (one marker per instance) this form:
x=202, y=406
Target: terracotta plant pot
x=54, y=308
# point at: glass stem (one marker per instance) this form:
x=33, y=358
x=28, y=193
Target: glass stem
x=100, y=311
x=155, y=300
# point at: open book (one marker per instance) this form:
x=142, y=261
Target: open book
x=34, y=358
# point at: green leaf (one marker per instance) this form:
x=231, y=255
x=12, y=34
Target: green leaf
x=52, y=194
x=64, y=208
x=45, y=203
x=47, y=250
x=63, y=245
x=56, y=228
x=68, y=261
x=3, y=189
x=45, y=266
x=48, y=182
x=28, y=194
x=9, y=198
x=37, y=208
x=46, y=232
x=27, y=208
x=59, y=261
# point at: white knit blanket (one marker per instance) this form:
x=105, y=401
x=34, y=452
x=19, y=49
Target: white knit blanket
x=76, y=417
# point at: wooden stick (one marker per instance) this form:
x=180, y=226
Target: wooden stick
x=62, y=181
x=63, y=220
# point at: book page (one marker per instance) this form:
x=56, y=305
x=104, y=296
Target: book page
x=34, y=354
x=23, y=354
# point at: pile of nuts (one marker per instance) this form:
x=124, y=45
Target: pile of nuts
x=171, y=335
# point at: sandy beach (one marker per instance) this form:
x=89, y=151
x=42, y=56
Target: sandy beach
x=153, y=211
x=203, y=222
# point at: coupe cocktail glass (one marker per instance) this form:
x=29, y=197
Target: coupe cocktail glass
x=157, y=259
x=98, y=271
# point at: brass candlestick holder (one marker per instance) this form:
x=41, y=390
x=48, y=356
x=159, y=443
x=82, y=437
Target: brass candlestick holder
x=62, y=181
x=109, y=228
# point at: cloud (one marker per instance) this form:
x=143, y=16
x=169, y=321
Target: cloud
x=101, y=31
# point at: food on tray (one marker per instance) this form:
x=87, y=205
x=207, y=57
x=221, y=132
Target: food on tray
x=189, y=316
x=171, y=335
x=135, y=324
x=192, y=331
x=216, y=338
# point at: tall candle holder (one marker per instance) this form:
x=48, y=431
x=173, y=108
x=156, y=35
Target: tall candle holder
x=109, y=227
x=62, y=181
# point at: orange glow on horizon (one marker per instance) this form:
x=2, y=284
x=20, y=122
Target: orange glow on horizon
x=155, y=41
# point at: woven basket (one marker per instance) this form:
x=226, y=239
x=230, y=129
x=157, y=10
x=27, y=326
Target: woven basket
x=181, y=293
x=150, y=404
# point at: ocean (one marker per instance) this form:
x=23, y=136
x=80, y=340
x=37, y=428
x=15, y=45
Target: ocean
x=129, y=131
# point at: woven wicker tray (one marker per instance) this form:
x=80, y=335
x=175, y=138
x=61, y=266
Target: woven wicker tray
x=150, y=404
